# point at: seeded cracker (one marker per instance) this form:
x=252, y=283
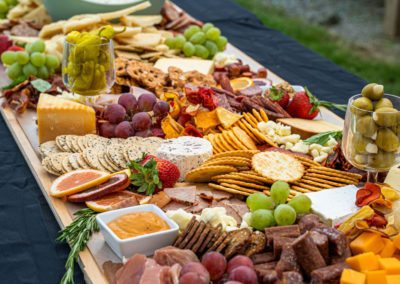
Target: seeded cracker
x=66, y=165
x=82, y=163
x=82, y=143
x=202, y=238
x=56, y=161
x=68, y=142
x=103, y=162
x=208, y=240
x=61, y=143
x=73, y=161
x=236, y=241
x=218, y=242
x=49, y=147
x=46, y=163
x=90, y=157
x=190, y=235
x=115, y=153
x=196, y=236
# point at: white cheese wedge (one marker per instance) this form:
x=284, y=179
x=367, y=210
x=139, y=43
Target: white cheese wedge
x=334, y=205
x=186, y=152
x=186, y=64
x=393, y=177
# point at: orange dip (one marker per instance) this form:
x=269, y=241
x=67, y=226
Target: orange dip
x=137, y=224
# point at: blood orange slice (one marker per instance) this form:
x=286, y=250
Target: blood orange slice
x=113, y=201
x=77, y=181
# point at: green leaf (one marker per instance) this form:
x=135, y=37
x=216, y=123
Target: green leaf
x=41, y=85
x=322, y=138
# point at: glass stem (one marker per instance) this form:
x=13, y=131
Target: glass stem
x=372, y=177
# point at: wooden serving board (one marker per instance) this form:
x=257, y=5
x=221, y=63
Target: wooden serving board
x=24, y=131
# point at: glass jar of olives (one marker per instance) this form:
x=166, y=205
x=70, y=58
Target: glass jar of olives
x=371, y=136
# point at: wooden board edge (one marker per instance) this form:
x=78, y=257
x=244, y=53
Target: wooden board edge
x=91, y=270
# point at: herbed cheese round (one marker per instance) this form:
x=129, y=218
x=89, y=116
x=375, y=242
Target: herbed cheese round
x=186, y=152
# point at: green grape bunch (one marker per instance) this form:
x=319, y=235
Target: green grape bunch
x=5, y=6
x=203, y=42
x=32, y=61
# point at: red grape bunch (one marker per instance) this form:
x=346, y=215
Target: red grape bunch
x=134, y=117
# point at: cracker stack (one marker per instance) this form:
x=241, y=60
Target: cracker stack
x=201, y=238
x=72, y=152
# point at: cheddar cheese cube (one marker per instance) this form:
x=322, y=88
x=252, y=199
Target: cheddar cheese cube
x=396, y=241
x=376, y=277
x=393, y=279
x=391, y=265
x=363, y=262
x=350, y=276
x=366, y=242
x=388, y=249
x=57, y=116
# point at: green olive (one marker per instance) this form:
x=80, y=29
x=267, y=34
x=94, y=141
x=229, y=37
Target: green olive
x=361, y=159
x=384, y=102
x=373, y=91
x=386, y=116
x=366, y=126
x=360, y=143
x=387, y=140
x=361, y=106
x=381, y=160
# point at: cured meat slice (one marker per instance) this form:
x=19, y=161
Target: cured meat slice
x=173, y=205
x=262, y=257
x=264, y=268
x=132, y=271
x=338, y=243
x=287, y=261
x=185, y=195
x=279, y=242
x=336, y=258
x=307, y=254
x=270, y=277
x=154, y=273
x=328, y=274
x=110, y=269
x=291, y=231
x=171, y=255
x=198, y=206
x=308, y=222
x=292, y=277
x=322, y=243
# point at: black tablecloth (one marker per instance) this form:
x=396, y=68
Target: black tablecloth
x=28, y=252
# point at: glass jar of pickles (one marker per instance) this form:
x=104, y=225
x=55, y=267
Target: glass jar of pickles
x=371, y=136
x=88, y=61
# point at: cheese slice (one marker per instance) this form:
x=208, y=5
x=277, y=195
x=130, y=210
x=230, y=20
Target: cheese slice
x=57, y=116
x=186, y=64
x=393, y=177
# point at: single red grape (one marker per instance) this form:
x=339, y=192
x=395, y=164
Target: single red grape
x=161, y=108
x=107, y=129
x=243, y=274
x=146, y=101
x=239, y=260
x=141, y=121
x=128, y=101
x=124, y=130
x=114, y=113
x=215, y=263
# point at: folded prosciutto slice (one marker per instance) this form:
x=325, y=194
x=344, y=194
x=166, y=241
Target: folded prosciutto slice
x=171, y=255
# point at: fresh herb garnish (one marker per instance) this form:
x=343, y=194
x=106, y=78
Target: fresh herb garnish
x=322, y=138
x=14, y=83
x=41, y=85
x=145, y=176
x=77, y=234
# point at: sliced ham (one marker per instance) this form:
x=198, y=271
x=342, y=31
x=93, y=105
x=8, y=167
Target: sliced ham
x=236, y=209
x=185, y=195
x=154, y=273
x=171, y=255
x=110, y=269
x=198, y=206
x=131, y=272
x=173, y=205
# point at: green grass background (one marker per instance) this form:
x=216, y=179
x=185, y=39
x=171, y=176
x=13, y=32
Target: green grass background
x=321, y=41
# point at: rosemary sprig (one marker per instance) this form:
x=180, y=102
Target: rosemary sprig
x=322, y=138
x=77, y=234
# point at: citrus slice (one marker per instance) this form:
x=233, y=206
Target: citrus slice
x=241, y=83
x=77, y=181
x=113, y=201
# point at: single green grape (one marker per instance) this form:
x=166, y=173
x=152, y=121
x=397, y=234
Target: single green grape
x=261, y=219
x=211, y=46
x=170, y=42
x=51, y=71
x=188, y=49
x=191, y=31
x=22, y=57
x=198, y=38
x=3, y=7
x=206, y=27
x=213, y=33
x=284, y=215
x=201, y=51
x=179, y=41
x=301, y=204
x=8, y=57
x=280, y=192
x=221, y=43
x=14, y=71
x=38, y=59
x=43, y=72
x=38, y=46
x=259, y=200
x=29, y=69
x=52, y=61
x=28, y=47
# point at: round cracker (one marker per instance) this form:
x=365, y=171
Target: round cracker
x=61, y=143
x=46, y=164
x=49, y=147
x=115, y=153
x=205, y=173
x=56, y=161
x=73, y=161
x=66, y=166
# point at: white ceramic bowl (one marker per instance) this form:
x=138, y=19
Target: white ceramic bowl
x=145, y=244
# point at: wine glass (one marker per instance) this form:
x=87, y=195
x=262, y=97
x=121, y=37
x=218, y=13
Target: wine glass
x=371, y=137
x=88, y=70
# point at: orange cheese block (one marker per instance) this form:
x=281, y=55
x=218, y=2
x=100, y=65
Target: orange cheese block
x=350, y=276
x=363, y=262
x=57, y=116
x=376, y=277
x=366, y=242
x=388, y=249
x=391, y=265
x=396, y=241
x=393, y=279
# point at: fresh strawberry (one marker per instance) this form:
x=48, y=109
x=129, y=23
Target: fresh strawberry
x=15, y=48
x=279, y=96
x=305, y=105
x=152, y=174
x=5, y=43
